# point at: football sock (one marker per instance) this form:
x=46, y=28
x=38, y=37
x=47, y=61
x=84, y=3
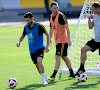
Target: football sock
x=54, y=73
x=43, y=77
x=82, y=66
x=71, y=72
x=46, y=78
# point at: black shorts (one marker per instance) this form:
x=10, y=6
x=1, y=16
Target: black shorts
x=94, y=45
x=61, y=49
x=38, y=53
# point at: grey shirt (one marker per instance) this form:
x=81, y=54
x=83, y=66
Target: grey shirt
x=96, y=22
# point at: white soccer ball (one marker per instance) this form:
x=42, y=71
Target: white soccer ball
x=82, y=77
x=12, y=82
x=98, y=64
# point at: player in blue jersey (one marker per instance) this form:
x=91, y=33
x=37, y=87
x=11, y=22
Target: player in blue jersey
x=34, y=32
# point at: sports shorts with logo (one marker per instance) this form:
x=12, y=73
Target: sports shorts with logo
x=38, y=53
x=61, y=49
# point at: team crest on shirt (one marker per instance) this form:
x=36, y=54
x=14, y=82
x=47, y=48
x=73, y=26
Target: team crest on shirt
x=31, y=38
x=54, y=27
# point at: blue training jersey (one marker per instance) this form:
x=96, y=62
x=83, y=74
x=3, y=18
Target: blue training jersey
x=35, y=41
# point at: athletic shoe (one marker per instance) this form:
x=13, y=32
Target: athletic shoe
x=51, y=79
x=98, y=80
x=71, y=77
x=45, y=83
x=79, y=72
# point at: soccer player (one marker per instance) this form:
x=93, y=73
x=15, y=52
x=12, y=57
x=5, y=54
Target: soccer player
x=34, y=32
x=58, y=26
x=94, y=44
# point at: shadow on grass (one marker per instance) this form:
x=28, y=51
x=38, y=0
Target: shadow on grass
x=34, y=86
x=82, y=86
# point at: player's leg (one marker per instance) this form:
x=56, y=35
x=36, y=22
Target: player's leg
x=40, y=65
x=34, y=59
x=37, y=58
x=99, y=53
x=67, y=60
x=41, y=70
x=83, y=57
x=90, y=46
x=84, y=51
x=68, y=63
x=57, y=64
x=37, y=66
x=40, y=53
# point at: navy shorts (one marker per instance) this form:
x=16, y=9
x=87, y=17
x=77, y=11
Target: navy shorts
x=38, y=53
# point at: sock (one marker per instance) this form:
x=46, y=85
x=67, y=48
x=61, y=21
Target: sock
x=46, y=78
x=71, y=72
x=43, y=77
x=54, y=73
x=82, y=66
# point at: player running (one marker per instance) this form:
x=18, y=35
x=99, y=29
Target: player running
x=34, y=32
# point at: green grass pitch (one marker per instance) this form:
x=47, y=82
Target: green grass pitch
x=16, y=63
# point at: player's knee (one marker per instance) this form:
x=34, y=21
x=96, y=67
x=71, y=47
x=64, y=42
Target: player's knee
x=83, y=50
x=39, y=61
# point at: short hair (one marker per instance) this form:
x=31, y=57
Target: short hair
x=28, y=15
x=54, y=3
x=96, y=5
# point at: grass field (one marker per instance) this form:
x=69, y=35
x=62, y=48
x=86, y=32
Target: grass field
x=16, y=63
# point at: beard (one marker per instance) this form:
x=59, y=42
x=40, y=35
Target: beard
x=30, y=23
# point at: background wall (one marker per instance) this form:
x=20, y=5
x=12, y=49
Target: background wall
x=17, y=4
x=19, y=7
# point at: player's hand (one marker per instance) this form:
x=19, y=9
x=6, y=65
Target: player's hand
x=69, y=43
x=46, y=49
x=91, y=17
x=50, y=43
x=18, y=44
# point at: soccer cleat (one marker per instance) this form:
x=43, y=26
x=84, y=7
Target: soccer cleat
x=79, y=72
x=51, y=79
x=45, y=83
x=98, y=80
x=71, y=77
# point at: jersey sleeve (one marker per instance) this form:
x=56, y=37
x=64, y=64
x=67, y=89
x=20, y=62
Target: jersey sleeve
x=41, y=29
x=62, y=19
x=24, y=32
